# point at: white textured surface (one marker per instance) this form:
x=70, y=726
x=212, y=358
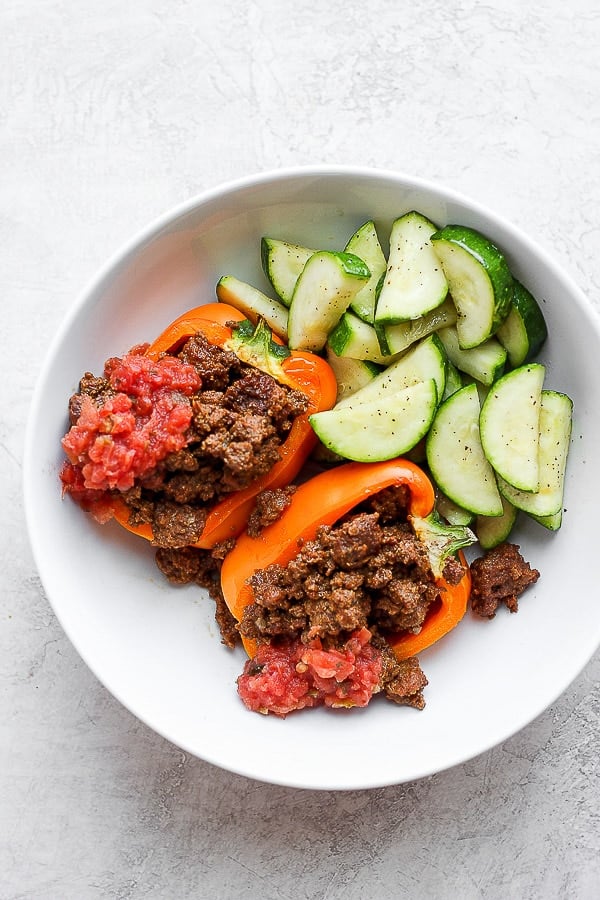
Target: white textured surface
x=111, y=113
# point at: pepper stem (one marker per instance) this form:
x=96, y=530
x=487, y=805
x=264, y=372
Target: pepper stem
x=254, y=344
x=440, y=539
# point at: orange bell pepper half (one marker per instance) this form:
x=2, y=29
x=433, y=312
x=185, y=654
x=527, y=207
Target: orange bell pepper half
x=299, y=370
x=322, y=501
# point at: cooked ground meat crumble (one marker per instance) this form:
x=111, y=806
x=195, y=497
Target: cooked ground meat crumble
x=500, y=576
x=270, y=504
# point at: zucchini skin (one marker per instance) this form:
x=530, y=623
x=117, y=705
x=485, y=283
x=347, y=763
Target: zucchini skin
x=492, y=262
x=524, y=331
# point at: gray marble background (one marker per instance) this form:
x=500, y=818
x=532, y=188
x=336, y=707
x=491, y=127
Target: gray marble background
x=111, y=112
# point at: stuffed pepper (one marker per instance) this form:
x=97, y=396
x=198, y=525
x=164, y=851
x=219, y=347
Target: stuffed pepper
x=177, y=439
x=336, y=597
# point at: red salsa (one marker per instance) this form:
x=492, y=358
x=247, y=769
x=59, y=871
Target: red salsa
x=144, y=417
x=291, y=675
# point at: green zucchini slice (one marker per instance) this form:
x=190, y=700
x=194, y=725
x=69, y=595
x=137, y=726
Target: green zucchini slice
x=524, y=330
x=379, y=428
x=282, y=263
x=414, y=282
x=493, y=530
x=485, y=363
x=351, y=374
x=455, y=455
x=364, y=243
x=328, y=283
x=397, y=338
x=479, y=280
x=510, y=426
x=423, y=361
x=357, y=339
x=555, y=436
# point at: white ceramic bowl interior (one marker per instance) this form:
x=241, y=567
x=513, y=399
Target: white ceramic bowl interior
x=156, y=647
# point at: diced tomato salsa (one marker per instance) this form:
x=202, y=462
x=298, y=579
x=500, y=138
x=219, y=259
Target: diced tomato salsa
x=137, y=426
x=289, y=676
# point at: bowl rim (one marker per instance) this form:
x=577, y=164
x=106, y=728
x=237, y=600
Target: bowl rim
x=144, y=234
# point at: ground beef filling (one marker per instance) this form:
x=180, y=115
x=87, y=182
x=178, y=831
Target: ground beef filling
x=270, y=504
x=355, y=574
x=365, y=575
x=235, y=423
x=500, y=576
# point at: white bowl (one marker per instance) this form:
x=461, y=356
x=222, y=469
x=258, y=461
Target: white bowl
x=156, y=647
